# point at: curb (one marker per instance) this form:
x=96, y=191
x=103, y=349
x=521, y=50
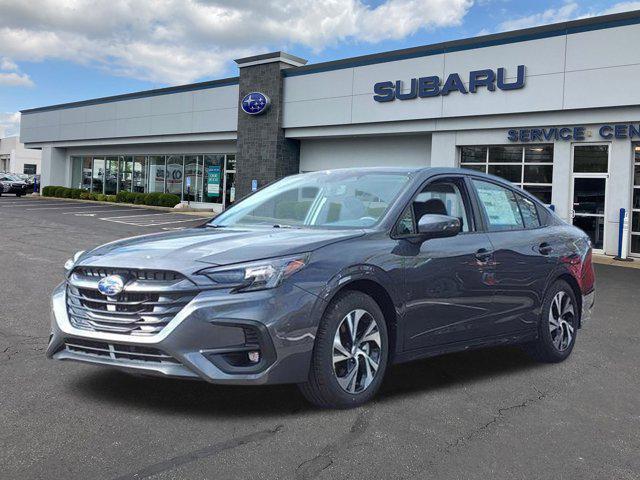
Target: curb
x=186, y=211
x=607, y=260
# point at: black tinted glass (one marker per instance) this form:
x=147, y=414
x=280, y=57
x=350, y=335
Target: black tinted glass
x=512, y=173
x=505, y=154
x=591, y=158
x=539, y=154
x=541, y=192
x=473, y=154
x=538, y=173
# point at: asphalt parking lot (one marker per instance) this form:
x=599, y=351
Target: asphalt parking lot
x=486, y=414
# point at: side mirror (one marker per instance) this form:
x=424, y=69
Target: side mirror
x=438, y=226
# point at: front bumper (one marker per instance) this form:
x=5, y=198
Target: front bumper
x=205, y=337
x=16, y=190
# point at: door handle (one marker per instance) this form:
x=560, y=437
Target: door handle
x=484, y=255
x=545, y=249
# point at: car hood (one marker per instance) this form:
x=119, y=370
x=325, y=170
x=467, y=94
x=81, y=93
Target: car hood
x=179, y=250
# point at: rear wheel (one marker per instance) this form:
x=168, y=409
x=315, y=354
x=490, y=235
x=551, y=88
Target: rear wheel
x=558, y=325
x=350, y=354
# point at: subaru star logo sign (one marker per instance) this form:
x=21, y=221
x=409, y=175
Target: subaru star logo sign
x=111, y=286
x=255, y=103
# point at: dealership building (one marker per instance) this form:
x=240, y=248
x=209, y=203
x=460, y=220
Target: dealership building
x=553, y=109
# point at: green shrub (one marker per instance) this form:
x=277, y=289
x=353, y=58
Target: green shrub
x=139, y=198
x=124, y=197
x=153, y=198
x=169, y=200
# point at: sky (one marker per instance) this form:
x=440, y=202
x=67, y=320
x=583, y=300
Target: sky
x=57, y=51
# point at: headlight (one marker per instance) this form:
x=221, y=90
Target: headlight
x=259, y=275
x=69, y=264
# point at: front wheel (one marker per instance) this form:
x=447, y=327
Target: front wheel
x=558, y=325
x=350, y=354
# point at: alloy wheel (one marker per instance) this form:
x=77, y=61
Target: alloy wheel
x=357, y=350
x=561, y=321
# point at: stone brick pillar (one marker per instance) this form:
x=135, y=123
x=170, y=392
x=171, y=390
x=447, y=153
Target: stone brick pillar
x=264, y=154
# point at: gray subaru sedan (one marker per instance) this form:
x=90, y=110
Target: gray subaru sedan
x=325, y=279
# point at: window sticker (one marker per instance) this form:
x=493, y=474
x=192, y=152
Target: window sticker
x=498, y=206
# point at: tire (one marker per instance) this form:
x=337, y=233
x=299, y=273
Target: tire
x=348, y=384
x=556, y=341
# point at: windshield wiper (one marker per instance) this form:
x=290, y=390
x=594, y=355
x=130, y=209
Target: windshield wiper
x=280, y=225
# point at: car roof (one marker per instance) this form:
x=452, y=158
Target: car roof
x=416, y=171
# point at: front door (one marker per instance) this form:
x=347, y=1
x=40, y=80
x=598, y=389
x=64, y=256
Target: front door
x=589, y=191
x=448, y=281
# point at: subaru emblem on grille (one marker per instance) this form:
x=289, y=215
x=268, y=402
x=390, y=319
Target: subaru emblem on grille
x=111, y=286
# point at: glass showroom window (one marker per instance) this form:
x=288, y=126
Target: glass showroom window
x=530, y=167
x=635, y=212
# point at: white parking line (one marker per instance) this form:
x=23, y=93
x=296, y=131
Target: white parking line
x=60, y=208
x=101, y=211
x=4, y=204
x=136, y=221
x=145, y=215
x=174, y=221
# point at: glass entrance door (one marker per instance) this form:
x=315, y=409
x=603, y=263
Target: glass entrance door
x=589, y=192
x=589, y=207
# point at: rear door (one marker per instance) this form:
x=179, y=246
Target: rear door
x=448, y=281
x=524, y=254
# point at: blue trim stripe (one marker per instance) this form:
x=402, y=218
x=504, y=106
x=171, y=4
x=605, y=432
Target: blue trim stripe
x=144, y=94
x=455, y=46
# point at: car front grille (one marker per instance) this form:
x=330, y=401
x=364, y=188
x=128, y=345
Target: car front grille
x=145, y=275
x=116, y=351
x=149, y=301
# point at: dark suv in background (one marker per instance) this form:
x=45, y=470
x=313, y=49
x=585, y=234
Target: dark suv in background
x=324, y=279
x=10, y=183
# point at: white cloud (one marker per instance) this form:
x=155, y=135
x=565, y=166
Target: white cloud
x=175, y=41
x=551, y=15
x=7, y=64
x=11, y=76
x=9, y=123
x=571, y=10
x=621, y=7
x=13, y=79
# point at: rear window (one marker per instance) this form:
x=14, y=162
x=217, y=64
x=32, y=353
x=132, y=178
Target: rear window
x=529, y=212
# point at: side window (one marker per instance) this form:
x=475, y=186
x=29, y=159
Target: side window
x=442, y=197
x=500, y=206
x=405, y=224
x=529, y=212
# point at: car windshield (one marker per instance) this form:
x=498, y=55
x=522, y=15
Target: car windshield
x=332, y=199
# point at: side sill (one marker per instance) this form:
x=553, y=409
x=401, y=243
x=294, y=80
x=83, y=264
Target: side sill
x=433, y=351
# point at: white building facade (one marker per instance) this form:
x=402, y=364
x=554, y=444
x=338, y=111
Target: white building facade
x=554, y=109
x=15, y=158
